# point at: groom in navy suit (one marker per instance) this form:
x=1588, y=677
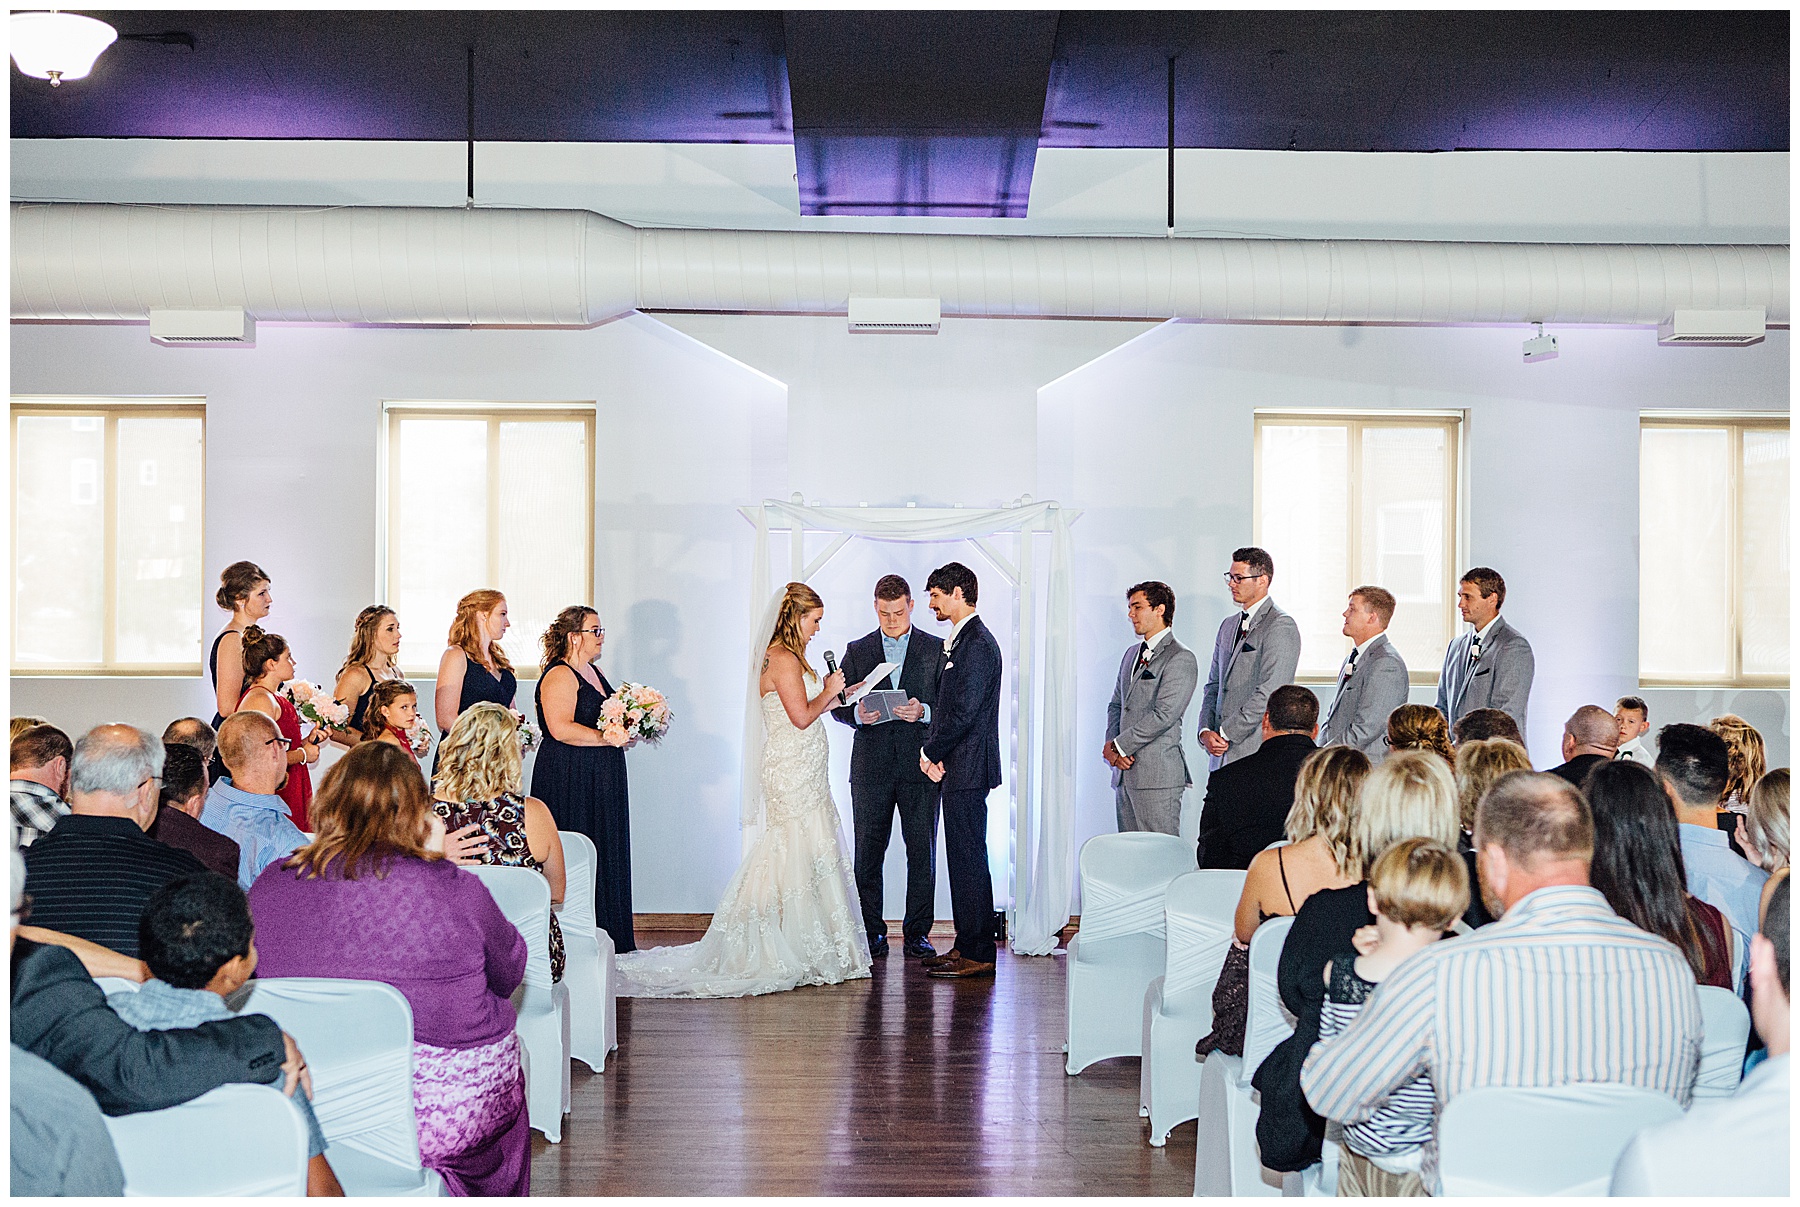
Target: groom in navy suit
x=962, y=753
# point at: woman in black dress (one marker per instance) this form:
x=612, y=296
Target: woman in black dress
x=374, y=651
x=579, y=773
x=244, y=591
x=474, y=668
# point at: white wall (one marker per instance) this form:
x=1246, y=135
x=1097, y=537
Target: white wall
x=1152, y=438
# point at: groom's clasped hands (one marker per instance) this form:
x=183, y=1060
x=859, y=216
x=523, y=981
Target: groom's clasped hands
x=933, y=771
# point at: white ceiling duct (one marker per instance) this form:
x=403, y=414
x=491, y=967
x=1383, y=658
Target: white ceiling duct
x=561, y=268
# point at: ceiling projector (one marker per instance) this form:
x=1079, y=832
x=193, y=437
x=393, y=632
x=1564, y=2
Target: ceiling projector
x=1540, y=346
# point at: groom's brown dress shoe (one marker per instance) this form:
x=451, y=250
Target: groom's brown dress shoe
x=949, y=957
x=960, y=969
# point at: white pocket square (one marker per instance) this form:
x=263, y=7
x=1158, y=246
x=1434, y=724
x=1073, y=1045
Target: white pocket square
x=948, y=665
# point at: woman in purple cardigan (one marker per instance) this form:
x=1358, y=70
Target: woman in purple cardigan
x=369, y=900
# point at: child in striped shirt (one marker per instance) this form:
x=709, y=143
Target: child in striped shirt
x=1417, y=890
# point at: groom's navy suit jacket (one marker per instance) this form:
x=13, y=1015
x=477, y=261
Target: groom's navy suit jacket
x=890, y=751
x=965, y=720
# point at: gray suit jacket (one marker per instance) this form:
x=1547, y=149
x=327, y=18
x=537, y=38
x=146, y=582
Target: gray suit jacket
x=1500, y=679
x=1144, y=718
x=1242, y=676
x=1359, y=712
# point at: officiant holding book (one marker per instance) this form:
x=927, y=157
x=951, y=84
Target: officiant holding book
x=885, y=776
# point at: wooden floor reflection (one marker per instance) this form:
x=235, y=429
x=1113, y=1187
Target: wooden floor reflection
x=895, y=1085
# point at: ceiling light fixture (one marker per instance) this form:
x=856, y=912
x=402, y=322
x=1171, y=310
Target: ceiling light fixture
x=58, y=46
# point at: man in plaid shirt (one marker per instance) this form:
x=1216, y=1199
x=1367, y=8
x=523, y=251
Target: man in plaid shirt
x=40, y=777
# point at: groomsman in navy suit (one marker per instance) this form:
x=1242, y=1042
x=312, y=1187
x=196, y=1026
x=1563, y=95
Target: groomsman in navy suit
x=884, y=767
x=962, y=753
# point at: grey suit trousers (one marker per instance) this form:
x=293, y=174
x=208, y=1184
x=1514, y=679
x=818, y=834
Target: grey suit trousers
x=1155, y=810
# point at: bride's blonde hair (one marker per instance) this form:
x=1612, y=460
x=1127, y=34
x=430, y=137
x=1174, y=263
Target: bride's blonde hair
x=795, y=604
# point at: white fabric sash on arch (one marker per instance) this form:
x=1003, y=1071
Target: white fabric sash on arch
x=1043, y=771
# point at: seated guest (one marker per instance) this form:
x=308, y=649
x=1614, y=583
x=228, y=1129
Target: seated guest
x=371, y=900
x=1633, y=716
x=21, y=724
x=1420, y=727
x=1762, y=830
x=192, y=731
x=1515, y=1003
x=245, y=806
x=480, y=777
x=1417, y=889
x=1695, y=766
x=1637, y=867
x=1410, y=794
x=197, y=940
x=1247, y=802
x=91, y=874
x=177, y=822
x=40, y=779
x=1590, y=737
x=1739, y=1145
x=1479, y=762
x=1317, y=856
x=60, y=1145
x=1748, y=760
x=60, y=1016
x=1486, y=723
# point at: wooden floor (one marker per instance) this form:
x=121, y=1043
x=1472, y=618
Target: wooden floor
x=895, y=1085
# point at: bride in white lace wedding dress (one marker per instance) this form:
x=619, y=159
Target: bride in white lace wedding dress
x=789, y=916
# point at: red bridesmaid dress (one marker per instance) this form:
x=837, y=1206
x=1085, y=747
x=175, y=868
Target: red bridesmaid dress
x=298, y=790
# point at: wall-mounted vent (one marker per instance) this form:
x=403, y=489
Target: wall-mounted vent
x=1728, y=328
x=177, y=327
x=895, y=316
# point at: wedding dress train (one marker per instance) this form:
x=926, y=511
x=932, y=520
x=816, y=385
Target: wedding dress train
x=790, y=916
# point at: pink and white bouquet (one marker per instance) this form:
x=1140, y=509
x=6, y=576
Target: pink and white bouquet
x=634, y=713
x=315, y=704
x=419, y=737
x=528, y=733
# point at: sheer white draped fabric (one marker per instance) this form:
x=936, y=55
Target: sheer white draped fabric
x=789, y=916
x=1044, y=766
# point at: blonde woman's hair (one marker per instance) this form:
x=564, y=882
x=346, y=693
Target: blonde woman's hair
x=464, y=634
x=1766, y=822
x=1325, y=801
x=1478, y=764
x=479, y=758
x=372, y=807
x=362, y=639
x=1410, y=795
x=795, y=604
x=1420, y=727
x=21, y=724
x=1744, y=745
x=1418, y=882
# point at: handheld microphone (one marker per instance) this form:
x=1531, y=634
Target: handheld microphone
x=831, y=669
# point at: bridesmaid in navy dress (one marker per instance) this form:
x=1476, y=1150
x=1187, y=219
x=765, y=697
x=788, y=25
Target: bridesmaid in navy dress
x=244, y=592
x=474, y=668
x=579, y=774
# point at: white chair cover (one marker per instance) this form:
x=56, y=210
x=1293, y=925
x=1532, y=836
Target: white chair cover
x=523, y=895
x=235, y=1140
x=1558, y=1140
x=1197, y=923
x=358, y=1041
x=1226, y=1160
x=1724, y=1030
x=1119, y=949
x=588, y=968
x=1268, y=1021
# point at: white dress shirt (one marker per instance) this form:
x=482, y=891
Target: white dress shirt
x=956, y=631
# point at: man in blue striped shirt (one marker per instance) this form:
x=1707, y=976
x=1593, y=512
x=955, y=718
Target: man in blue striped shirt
x=1559, y=990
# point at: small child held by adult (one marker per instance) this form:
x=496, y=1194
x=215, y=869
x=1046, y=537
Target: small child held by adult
x=197, y=939
x=1417, y=891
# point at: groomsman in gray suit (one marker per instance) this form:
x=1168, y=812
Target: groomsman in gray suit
x=1490, y=666
x=1372, y=682
x=1143, y=722
x=1257, y=651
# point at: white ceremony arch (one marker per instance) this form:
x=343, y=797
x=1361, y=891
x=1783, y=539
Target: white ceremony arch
x=1043, y=707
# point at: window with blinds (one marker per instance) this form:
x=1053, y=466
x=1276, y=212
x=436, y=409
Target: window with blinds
x=489, y=495
x=1713, y=550
x=108, y=505
x=1346, y=500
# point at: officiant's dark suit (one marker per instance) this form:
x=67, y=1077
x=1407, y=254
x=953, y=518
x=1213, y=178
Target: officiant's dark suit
x=885, y=775
x=965, y=738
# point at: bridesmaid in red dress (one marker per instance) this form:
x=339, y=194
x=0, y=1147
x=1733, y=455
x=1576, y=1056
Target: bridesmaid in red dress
x=268, y=663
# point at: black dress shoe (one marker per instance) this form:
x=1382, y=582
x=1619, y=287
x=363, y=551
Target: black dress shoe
x=878, y=947
x=919, y=949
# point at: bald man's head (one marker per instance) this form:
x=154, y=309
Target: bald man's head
x=245, y=749
x=1591, y=730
